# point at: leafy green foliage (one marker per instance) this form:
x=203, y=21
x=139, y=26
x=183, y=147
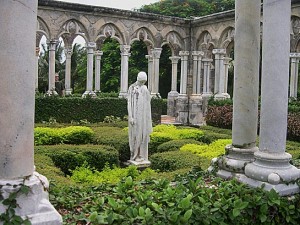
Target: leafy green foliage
x=65, y=110
x=210, y=151
x=164, y=133
x=85, y=175
x=67, y=135
x=68, y=157
x=174, y=145
x=116, y=137
x=9, y=203
x=194, y=198
x=173, y=160
x=187, y=8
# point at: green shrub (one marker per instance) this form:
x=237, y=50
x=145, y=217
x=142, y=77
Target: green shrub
x=85, y=175
x=174, y=160
x=116, y=137
x=175, y=145
x=68, y=157
x=164, y=133
x=67, y=135
x=207, y=151
x=293, y=130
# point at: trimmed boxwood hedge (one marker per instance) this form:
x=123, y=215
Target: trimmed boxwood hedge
x=65, y=110
x=68, y=157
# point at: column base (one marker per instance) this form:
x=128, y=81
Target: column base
x=68, y=91
x=172, y=96
x=195, y=110
x=51, y=93
x=155, y=95
x=273, y=168
x=233, y=162
x=221, y=96
x=34, y=206
x=123, y=95
x=282, y=189
x=182, y=109
x=89, y=93
x=206, y=94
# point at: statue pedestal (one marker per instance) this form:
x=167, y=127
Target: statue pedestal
x=144, y=163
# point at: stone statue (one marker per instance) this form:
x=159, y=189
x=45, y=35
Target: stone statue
x=139, y=120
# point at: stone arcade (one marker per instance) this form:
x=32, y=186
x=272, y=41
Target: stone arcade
x=204, y=50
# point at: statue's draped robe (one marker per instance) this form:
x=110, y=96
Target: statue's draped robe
x=139, y=108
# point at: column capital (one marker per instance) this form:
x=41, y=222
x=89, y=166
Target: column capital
x=52, y=44
x=174, y=59
x=226, y=60
x=219, y=51
x=68, y=52
x=98, y=53
x=91, y=45
x=294, y=55
x=149, y=57
x=206, y=60
x=156, y=52
x=125, y=49
x=37, y=51
x=184, y=53
x=197, y=53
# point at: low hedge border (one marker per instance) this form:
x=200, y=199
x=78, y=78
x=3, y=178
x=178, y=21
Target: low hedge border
x=66, y=110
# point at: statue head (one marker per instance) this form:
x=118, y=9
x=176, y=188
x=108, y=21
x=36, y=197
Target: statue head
x=141, y=78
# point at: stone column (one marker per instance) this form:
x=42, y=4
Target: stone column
x=37, y=54
x=124, y=70
x=206, y=77
x=173, y=94
x=182, y=107
x=195, y=103
x=150, y=71
x=51, y=78
x=90, y=69
x=17, y=114
x=199, y=73
x=156, y=56
x=68, y=53
x=246, y=84
x=98, y=55
x=219, y=66
x=226, y=67
x=272, y=164
x=294, y=75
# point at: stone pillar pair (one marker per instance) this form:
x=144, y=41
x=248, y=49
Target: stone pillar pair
x=90, y=70
x=17, y=114
x=51, y=79
x=173, y=94
x=125, y=54
x=221, y=74
x=182, y=106
x=294, y=75
x=98, y=55
x=269, y=164
x=195, y=103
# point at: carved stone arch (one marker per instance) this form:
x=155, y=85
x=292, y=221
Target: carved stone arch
x=143, y=34
x=71, y=29
x=295, y=34
x=175, y=41
x=109, y=30
x=205, y=43
x=226, y=37
x=41, y=29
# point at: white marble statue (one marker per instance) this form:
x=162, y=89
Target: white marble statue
x=139, y=119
